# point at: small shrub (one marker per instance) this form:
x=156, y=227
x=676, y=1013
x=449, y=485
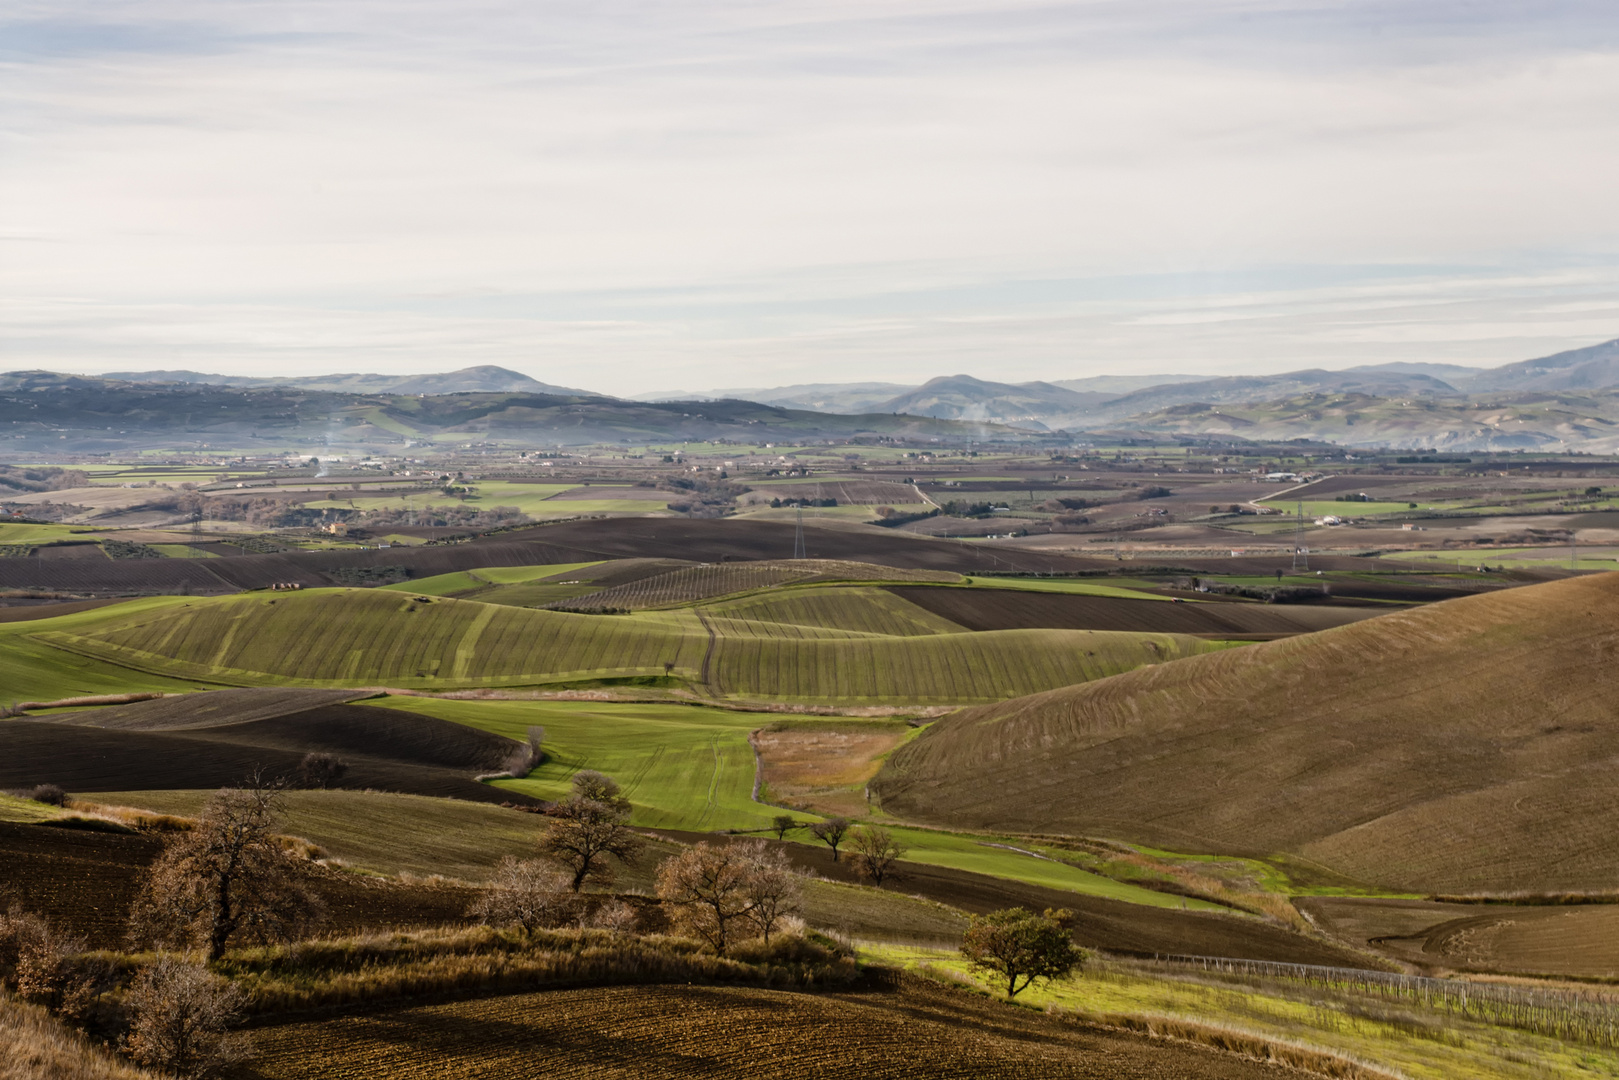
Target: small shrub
x=180, y=1019
x=49, y=794
x=530, y=893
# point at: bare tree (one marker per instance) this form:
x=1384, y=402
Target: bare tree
x=724, y=893
x=585, y=830
x=773, y=888
x=874, y=852
x=228, y=877
x=528, y=892
x=782, y=824
x=830, y=832
x=705, y=885
x=180, y=1019
x=319, y=770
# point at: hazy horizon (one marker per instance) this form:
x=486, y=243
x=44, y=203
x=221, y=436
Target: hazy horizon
x=650, y=198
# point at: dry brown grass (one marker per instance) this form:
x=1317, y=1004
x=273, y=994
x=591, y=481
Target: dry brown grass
x=823, y=766
x=1468, y=745
x=483, y=960
x=33, y=1046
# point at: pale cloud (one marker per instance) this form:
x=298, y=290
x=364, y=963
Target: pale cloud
x=623, y=195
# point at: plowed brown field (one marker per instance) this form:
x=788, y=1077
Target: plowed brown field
x=646, y=1032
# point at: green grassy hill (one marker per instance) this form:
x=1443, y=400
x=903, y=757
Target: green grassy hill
x=347, y=637
x=1469, y=745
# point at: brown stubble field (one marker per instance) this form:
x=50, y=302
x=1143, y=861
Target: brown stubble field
x=1461, y=746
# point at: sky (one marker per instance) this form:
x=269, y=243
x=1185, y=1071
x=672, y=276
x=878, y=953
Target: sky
x=632, y=197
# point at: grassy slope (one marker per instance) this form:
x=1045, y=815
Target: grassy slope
x=1466, y=745
x=32, y=671
x=1422, y=1045
x=689, y=767
x=375, y=637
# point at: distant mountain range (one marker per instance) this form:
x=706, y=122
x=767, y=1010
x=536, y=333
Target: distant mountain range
x=482, y=379
x=1567, y=400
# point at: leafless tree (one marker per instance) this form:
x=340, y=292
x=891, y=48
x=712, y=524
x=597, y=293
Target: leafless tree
x=527, y=892
x=50, y=968
x=730, y=891
x=227, y=877
x=180, y=1019
x=773, y=887
x=586, y=830
x=830, y=832
x=874, y=852
x=705, y=885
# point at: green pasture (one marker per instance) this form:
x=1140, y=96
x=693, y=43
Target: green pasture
x=1420, y=1043
x=1315, y=509
x=40, y=534
x=690, y=767
x=1588, y=558
x=27, y=811
x=684, y=766
x=517, y=575
x=33, y=671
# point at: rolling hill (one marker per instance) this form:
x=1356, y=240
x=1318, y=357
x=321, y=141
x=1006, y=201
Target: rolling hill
x=1468, y=745
x=354, y=637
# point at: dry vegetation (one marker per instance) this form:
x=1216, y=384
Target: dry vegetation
x=36, y=1046
x=823, y=766
x=1467, y=745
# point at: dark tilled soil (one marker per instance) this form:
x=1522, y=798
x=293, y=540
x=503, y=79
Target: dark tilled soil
x=28, y=610
x=1012, y=609
x=385, y=750
x=916, y=1029
x=210, y=708
x=84, y=883
x=1110, y=925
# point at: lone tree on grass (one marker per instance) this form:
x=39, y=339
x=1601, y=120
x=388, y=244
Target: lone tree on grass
x=1016, y=944
x=228, y=877
x=831, y=833
x=874, y=852
x=782, y=824
x=726, y=892
x=588, y=826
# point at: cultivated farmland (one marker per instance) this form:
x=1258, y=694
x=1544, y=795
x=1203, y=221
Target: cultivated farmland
x=375, y=638
x=1346, y=746
x=657, y=1032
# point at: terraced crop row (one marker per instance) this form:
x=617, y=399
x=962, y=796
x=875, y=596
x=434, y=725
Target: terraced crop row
x=866, y=611
x=933, y=669
x=371, y=637
x=693, y=583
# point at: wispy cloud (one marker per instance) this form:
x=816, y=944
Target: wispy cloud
x=657, y=194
